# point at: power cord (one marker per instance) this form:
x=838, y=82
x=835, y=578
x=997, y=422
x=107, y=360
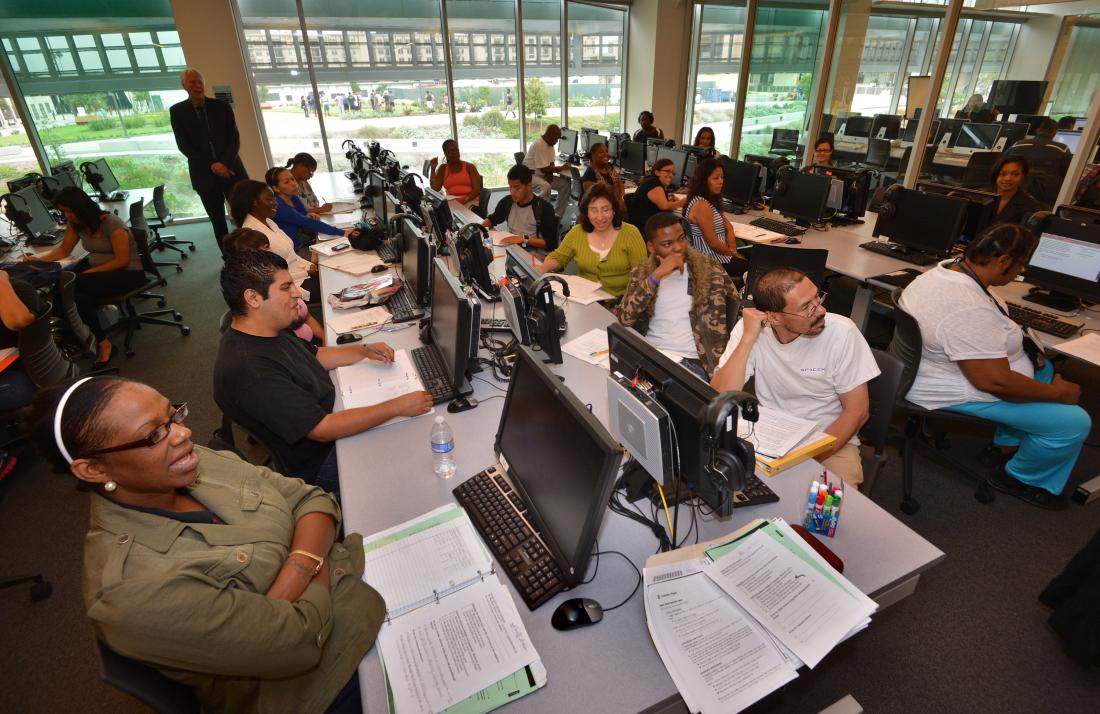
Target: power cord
x=596, y=570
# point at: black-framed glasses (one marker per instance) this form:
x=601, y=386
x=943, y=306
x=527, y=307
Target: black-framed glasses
x=157, y=435
x=808, y=311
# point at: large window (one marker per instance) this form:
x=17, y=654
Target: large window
x=721, y=41
x=98, y=85
x=542, y=63
x=596, y=56
x=1080, y=73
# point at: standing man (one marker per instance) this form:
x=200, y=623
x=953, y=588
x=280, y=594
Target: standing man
x=206, y=133
x=509, y=109
x=541, y=159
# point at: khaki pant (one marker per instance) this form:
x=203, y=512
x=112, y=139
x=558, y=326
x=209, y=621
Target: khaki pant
x=847, y=464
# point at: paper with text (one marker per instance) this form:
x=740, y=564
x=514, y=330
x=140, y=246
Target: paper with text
x=590, y=347
x=1086, y=348
x=581, y=290
x=353, y=262
x=775, y=433
x=351, y=320
x=367, y=382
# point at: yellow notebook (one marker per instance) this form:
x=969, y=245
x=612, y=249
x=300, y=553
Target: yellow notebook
x=816, y=443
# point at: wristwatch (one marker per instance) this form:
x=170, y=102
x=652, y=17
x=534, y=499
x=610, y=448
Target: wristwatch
x=315, y=558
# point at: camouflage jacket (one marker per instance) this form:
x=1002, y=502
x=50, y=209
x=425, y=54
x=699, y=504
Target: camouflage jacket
x=709, y=285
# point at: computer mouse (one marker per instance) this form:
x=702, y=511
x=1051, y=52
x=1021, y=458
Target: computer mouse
x=461, y=404
x=793, y=240
x=348, y=337
x=379, y=268
x=575, y=613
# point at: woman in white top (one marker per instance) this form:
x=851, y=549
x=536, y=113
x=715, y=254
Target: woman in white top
x=975, y=360
x=252, y=205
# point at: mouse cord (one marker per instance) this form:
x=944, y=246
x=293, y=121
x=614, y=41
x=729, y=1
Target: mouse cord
x=637, y=584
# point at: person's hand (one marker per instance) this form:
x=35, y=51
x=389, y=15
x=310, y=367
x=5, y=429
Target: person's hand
x=221, y=169
x=378, y=351
x=669, y=263
x=434, y=163
x=324, y=208
x=413, y=404
x=754, y=321
x=511, y=240
x=314, y=215
x=1065, y=392
x=350, y=232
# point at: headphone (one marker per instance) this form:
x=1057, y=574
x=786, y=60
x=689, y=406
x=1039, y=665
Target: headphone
x=783, y=177
x=19, y=217
x=410, y=191
x=375, y=150
x=349, y=153
x=48, y=186
x=729, y=466
x=93, y=177
x=369, y=235
x=1034, y=221
x=890, y=199
x=393, y=170
x=536, y=314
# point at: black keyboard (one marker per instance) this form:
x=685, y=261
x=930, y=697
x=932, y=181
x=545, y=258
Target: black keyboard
x=433, y=373
x=402, y=305
x=53, y=238
x=755, y=493
x=388, y=253
x=496, y=511
x=1042, y=321
x=770, y=224
x=900, y=252
x=495, y=325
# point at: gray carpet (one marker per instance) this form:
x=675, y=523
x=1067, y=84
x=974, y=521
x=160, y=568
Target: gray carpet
x=972, y=638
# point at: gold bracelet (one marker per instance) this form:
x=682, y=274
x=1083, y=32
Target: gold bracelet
x=315, y=558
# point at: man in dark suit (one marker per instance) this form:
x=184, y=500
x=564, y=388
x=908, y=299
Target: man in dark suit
x=206, y=133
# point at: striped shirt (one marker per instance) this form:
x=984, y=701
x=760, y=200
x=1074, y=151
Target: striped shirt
x=698, y=242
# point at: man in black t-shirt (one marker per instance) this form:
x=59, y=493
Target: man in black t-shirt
x=530, y=220
x=276, y=386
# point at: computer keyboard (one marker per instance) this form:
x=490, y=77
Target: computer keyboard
x=770, y=224
x=433, y=373
x=402, y=305
x=755, y=493
x=388, y=253
x=900, y=252
x=495, y=324
x=44, y=239
x=496, y=512
x=1042, y=321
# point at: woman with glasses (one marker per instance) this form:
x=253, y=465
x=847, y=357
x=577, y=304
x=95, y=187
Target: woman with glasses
x=652, y=196
x=977, y=361
x=711, y=232
x=823, y=153
x=302, y=166
x=226, y=575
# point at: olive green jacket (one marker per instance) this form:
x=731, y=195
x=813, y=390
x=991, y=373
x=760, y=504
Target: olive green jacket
x=189, y=599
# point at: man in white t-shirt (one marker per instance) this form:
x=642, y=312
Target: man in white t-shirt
x=541, y=159
x=809, y=363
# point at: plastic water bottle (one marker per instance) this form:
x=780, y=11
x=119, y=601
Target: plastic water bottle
x=443, y=449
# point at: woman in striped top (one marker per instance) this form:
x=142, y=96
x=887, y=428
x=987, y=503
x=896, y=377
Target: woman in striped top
x=711, y=232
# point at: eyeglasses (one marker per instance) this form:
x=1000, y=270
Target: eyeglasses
x=810, y=309
x=157, y=435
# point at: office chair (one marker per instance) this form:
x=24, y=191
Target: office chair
x=576, y=186
x=145, y=683
x=163, y=218
x=976, y=174
x=763, y=257
x=1044, y=180
x=882, y=393
x=138, y=222
x=878, y=154
x=427, y=167
x=906, y=347
x=482, y=209
x=125, y=300
x=256, y=452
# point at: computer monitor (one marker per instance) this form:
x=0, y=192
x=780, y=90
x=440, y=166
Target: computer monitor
x=744, y=181
x=679, y=163
x=1017, y=96
x=885, y=126
x=452, y=324
x=1070, y=138
x=805, y=195
x=909, y=134
x=651, y=146
x=33, y=217
x=855, y=192
x=685, y=397
x=567, y=144
x=632, y=157
x=857, y=126
x=1013, y=131
x=439, y=212
x=979, y=137
x=924, y=222
x=809, y=261
x=100, y=177
x=613, y=146
x=18, y=184
x=416, y=260
x=1032, y=120
x=948, y=126
x=784, y=141
x=589, y=139
x=1081, y=214
x=63, y=166
x=538, y=296
x=560, y=459
x=980, y=213
x=771, y=165
x=49, y=186
x=474, y=257
x=391, y=205
x=1065, y=264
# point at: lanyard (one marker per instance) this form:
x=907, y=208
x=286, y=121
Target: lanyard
x=967, y=271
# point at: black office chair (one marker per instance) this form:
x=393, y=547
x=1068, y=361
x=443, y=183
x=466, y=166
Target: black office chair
x=138, y=222
x=976, y=174
x=882, y=393
x=482, y=209
x=1044, y=181
x=145, y=684
x=162, y=219
x=763, y=257
x=576, y=186
x=906, y=346
x=426, y=168
x=878, y=154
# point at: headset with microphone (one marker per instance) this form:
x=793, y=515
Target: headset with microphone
x=19, y=216
x=728, y=466
x=890, y=199
x=783, y=176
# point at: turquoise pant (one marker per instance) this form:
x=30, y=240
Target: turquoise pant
x=1049, y=435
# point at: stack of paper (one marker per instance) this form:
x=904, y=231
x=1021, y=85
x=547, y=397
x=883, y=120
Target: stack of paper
x=1085, y=348
x=590, y=347
x=367, y=383
x=486, y=658
x=582, y=291
x=344, y=321
x=325, y=247
x=354, y=262
x=735, y=622
x=782, y=440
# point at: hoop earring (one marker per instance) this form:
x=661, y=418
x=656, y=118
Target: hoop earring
x=110, y=486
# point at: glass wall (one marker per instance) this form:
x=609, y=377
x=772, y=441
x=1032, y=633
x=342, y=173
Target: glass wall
x=542, y=64
x=718, y=69
x=596, y=57
x=1080, y=73
x=16, y=156
x=98, y=86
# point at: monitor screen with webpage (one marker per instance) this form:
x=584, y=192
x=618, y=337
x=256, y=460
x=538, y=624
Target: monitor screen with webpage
x=1066, y=263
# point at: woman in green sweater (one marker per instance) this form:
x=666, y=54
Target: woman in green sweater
x=606, y=249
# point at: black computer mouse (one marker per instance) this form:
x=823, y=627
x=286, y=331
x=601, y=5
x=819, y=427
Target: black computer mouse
x=793, y=240
x=461, y=404
x=348, y=337
x=379, y=268
x=575, y=613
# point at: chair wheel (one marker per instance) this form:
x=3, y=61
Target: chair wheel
x=161, y=303
x=41, y=590
x=909, y=506
x=177, y=317
x=179, y=268
x=191, y=248
x=984, y=493
x=185, y=330
x=183, y=256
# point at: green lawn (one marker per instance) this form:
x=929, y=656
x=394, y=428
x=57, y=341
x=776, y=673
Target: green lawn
x=100, y=129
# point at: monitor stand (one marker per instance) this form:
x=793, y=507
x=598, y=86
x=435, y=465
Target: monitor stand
x=1053, y=299
x=842, y=220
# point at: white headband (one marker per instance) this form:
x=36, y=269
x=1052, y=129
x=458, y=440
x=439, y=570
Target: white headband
x=57, y=419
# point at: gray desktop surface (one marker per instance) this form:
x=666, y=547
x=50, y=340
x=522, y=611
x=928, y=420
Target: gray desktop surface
x=386, y=478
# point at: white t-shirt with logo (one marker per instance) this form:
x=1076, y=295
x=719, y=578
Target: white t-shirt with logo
x=958, y=321
x=670, y=327
x=540, y=155
x=806, y=376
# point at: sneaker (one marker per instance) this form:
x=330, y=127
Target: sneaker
x=992, y=457
x=1039, y=497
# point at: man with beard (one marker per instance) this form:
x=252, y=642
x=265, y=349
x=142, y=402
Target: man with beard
x=807, y=362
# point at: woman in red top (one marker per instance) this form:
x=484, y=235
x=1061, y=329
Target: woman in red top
x=459, y=177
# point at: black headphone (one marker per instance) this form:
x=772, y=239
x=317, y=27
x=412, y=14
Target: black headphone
x=410, y=191
x=393, y=171
x=783, y=176
x=890, y=199
x=536, y=315
x=47, y=186
x=729, y=466
x=1034, y=221
x=463, y=238
x=374, y=149
x=90, y=174
x=19, y=217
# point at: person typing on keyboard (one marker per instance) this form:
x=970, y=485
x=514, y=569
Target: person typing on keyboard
x=807, y=362
x=976, y=360
x=276, y=386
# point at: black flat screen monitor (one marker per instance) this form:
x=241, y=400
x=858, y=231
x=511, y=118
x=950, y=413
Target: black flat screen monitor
x=632, y=157
x=1017, y=96
x=36, y=219
x=440, y=213
x=547, y=337
x=63, y=167
x=589, y=138
x=925, y=222
x=948, y=126
x=18, y=184
x=416, y=261
x=1013, y=131
x=679, y=163
x=978, y=136
x=567, y=144
x=980, y=213
x=101, y=177
x=685, y=397
x=613, y=146
x=805, y=197
x=857, y=189
x=1032, y=120
x=49, y=186
x=651, y=146
x=560, y=459
x=857, y=126
x=391, y=205
x=1065, y=264
x=784, y=140
x=451, y=324
x=744, y=181
x=771, y=165
x=889, y=125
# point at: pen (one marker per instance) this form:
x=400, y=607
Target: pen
x=597, y=353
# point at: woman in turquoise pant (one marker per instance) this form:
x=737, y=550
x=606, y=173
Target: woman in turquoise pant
x=977, y=361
